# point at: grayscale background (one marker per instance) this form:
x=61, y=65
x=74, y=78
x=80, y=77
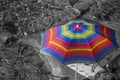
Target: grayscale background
x=21, y=24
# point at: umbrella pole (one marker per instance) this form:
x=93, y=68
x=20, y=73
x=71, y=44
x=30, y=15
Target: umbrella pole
x=76, y=72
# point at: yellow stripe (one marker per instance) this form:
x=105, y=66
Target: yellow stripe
x=82, y=35
x=64, y=27
x=99, y=43
x=88, y=33
x=67, y=50
x=51, y=34
x=91, y=27
x=105, y=33
x=58, y=45
x=77, y=49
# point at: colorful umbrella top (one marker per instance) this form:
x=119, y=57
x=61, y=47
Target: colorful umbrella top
x=78, y=41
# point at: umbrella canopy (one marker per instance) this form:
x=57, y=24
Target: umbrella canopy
x=78, y=41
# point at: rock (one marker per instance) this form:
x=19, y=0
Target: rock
x=10, y=27
x=73, y=2
x=21, y=59
x=108, y=10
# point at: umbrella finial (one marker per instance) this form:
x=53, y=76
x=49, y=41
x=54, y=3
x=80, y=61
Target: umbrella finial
x=77, y=27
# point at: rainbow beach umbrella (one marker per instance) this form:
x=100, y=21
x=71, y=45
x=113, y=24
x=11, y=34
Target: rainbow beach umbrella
x=78, y=41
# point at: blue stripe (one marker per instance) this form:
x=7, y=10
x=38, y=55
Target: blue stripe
x=67, y=60
x=92, y=36
x=79, y=59
x=112, y=37
x=52, y=52
x=104, y=52
x=97, y=28
x=81, y=40
x=71, y=29
x=43, y=41
x=67, y=39
x=97, y=58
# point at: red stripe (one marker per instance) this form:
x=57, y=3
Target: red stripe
x=108, y=33
x=70, y=53
x=101, y=47
x=76, y=45
x=96, y=40
x=61, y=51
x=101, y=30
x=67, y=45
x=70, y=46
x=47, y=37
x=57, y=49
x=80, y=53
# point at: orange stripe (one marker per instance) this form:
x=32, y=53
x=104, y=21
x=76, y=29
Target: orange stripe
x=60, y=45
x=105, y=31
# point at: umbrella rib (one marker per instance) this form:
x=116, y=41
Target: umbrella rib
x=91, y=49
